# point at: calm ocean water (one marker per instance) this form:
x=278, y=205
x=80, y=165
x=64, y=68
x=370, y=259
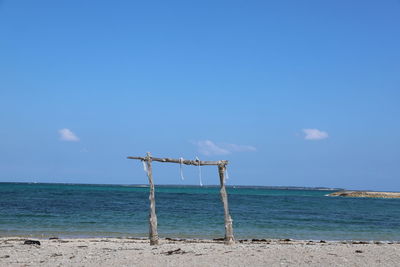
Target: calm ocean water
x=111, y=210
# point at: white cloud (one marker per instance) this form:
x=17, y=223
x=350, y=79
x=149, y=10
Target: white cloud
x=207, y=147
x=315, y=134
x=68, y=135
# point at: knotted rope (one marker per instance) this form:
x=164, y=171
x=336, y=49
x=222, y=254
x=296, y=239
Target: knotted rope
x=198, y=161
x=144, y=166
x=181, y=169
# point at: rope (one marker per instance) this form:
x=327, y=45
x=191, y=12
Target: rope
x=181, y=169
x=198, y=160
x=227, y=174
x=144, y=166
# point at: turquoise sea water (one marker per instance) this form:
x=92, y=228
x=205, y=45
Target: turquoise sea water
x=120, y=211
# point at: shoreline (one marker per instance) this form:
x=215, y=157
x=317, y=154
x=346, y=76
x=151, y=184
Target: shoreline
x=200, y=239
x=191, y=238
x=195, y=252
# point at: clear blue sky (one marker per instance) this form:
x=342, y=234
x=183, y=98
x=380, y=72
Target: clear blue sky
x=302, y=93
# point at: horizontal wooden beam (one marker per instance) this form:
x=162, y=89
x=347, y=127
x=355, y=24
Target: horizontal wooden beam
x=184, y=161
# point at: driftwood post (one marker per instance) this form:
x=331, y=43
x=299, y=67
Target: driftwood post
x=224, y=197
x=229, y=239
x=153, y=234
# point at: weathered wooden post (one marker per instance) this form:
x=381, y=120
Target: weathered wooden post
x=229, y=239
x=153, y=234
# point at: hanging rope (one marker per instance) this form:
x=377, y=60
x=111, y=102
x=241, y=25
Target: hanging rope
x=144, y=166
x=198, y=161
x=226, y=172
x=181, y=168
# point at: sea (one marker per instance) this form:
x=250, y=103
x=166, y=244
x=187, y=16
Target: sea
x=88, y=210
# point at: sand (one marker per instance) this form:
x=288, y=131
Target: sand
x=136, y=252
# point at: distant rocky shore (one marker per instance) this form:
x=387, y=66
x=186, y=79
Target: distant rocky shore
x=365, y=194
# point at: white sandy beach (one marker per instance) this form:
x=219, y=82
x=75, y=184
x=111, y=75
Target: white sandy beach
x=136, y=252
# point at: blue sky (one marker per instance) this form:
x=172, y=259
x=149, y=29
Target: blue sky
x=302, y=93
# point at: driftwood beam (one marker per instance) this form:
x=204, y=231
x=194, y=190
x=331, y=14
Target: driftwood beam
x=183, y=161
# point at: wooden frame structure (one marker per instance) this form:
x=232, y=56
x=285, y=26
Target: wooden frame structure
x=153, y=234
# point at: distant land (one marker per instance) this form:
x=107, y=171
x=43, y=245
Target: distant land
x=263, y=187
x=370, y=194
